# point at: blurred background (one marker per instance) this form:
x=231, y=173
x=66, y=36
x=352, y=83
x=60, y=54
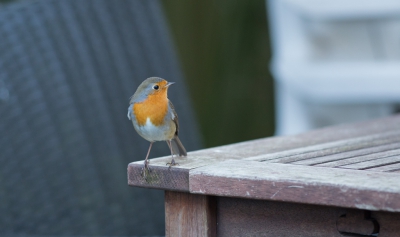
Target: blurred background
x=67, y=70
x=333, y=62
x=245, y=70
x=224, y=51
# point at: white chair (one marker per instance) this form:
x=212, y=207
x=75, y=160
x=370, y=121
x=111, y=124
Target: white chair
x=334, y=61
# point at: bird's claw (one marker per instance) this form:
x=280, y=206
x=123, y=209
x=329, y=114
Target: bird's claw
x=146, y=169
x=172, y=163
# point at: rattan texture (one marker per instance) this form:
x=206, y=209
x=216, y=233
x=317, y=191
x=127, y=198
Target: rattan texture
x=67, y=70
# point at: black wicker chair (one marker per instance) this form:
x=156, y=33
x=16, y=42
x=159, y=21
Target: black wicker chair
x=67, y=70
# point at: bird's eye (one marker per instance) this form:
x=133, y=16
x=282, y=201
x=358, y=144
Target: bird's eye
x=156, y=87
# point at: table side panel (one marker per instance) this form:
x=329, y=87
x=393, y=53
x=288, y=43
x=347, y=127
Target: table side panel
x=245, y=217
x=299, y=184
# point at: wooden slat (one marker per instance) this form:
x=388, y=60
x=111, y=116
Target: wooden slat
x=349, y=157
x=295, y=183
x=308, y=152
x=190, y=215
x=373, y=163
x=363, y=155
x=177, y=178
x=386, y=168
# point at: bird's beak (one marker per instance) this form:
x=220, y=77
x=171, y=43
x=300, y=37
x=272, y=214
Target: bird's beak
x=169, y=83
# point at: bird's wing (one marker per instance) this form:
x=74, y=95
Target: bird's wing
x=174, y=117
x=130, y=114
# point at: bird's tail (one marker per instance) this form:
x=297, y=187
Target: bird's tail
x=177, y=147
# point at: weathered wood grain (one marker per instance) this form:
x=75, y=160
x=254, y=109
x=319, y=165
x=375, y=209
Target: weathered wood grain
x=162, y=177
x=389, y=223
x=301, y=184
x=297, y=198
x=364, y=154
x=303, y=154
x=244, y=217
x=377, y=162
x=177, y=177
x=190, y=215
x=352, y=157
x=386, y=168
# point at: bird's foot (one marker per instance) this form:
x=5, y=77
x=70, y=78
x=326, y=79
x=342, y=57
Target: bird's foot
x=146, y=169
x=172, y=163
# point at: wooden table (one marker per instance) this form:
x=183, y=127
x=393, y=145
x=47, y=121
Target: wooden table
x=327, y=182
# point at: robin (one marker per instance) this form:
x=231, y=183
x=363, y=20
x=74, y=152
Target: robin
x=154, y=117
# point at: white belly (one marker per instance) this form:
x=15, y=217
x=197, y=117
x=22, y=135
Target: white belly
x=153, y=133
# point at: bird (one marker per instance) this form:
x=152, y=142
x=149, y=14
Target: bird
x=154, y=117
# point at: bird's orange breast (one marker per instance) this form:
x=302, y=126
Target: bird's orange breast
x=155, y=107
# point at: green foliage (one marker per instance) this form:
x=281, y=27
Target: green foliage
x=224, y=50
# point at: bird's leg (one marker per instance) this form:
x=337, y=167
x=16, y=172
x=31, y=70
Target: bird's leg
x=146, y=162
x=172, y=163
x=170, y=147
